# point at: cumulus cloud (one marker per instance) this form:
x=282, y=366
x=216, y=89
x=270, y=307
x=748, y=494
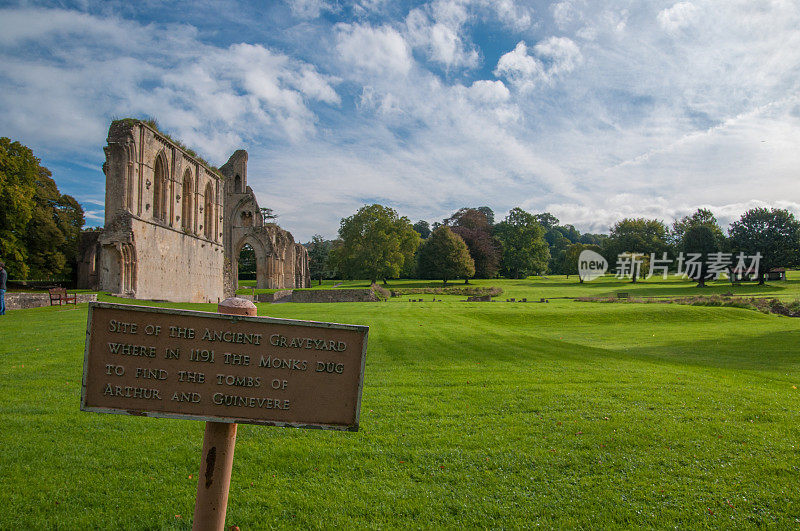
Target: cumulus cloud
x=200, y=92
x=437, y=29
x=518, y=17
x=441, y=29
x=612, y=110
x=550, y=58
x=521, y=69
x=378, y=51
x=489, y=91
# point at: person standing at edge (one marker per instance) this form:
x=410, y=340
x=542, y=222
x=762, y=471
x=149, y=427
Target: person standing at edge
x=3, y=277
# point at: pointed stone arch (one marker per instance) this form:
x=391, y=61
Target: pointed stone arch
x=208, y=212
x=187, y=201
x=160, y=188
x=246, y=213
x=128, y=173
x=262, y=251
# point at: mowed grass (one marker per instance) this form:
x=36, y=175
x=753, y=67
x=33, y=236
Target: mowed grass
x=561, y=286
x=564, y=414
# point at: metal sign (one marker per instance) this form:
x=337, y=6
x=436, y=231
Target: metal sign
x=160, y=362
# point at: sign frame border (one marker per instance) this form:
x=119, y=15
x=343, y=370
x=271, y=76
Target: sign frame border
x=225, y=317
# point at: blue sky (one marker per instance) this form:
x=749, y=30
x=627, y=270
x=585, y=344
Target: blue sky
x=591, y=110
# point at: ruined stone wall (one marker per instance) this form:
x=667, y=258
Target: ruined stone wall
x=21, y=301
x=174, y=226
x=88, y=258
x=302, y=275
x=334, y=295
x=280, y=262
x=164, y=225
x=191, y=272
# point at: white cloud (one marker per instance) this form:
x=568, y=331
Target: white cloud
x=212, y=97
x=562, y=54
x=550, y=59
x=678, y=16
x=364, y=8
x=615, y=109
x=309, y=8
x=21, y=27
x=377, y=51
x=520, y=68
x=517, y=17
x=489, y=91
x=564, y=13
x=93, y=216
x=437, y=30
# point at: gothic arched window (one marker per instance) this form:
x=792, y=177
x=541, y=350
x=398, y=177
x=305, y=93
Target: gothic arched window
x=208, y=212
x=186, y=210
x=160, y=189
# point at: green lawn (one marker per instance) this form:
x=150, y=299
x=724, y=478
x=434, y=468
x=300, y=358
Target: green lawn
x=560, y=286
x=494, y=415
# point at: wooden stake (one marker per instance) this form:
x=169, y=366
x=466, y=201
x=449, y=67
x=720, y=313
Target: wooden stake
x=216, y=461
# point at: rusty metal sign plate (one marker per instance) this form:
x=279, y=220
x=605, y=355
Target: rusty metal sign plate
x=160, y=362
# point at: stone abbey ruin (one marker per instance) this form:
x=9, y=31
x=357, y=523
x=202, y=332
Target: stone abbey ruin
x=174, y=226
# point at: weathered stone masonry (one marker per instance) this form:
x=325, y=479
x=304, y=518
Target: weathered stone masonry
x=174, y=227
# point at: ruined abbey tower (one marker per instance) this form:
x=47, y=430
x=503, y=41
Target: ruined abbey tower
x=174, y=226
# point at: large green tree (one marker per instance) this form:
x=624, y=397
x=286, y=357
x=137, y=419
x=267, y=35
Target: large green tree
x=772, y=233
x=488, y=212
x=319, y=250
x=376, y=243
x=700, y=241
x=247, y=263
x=636, y=236
x=39, y=227
x=444, y=255
x=701, y=217
x=423, y=228
x=571, y=256
x=558, y=238
x=522, y=241
x=546, y=220
x=474, y=228
x=53, y=231
x=19, y=170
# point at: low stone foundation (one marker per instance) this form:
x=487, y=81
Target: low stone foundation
x=279, y=296
x=20, y=301
x=334, y=295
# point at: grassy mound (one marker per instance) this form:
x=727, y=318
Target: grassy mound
x=760, y=304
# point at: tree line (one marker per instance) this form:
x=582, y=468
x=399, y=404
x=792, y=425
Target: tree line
x=40, y=230
x=39, y=226
x=377, y=244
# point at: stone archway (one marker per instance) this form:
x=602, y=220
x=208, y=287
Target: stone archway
x=261, y=260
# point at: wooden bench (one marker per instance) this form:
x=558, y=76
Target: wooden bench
x=60, y=296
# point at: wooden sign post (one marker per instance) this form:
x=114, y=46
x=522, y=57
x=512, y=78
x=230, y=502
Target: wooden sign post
x=216, y=459
x=224, y=368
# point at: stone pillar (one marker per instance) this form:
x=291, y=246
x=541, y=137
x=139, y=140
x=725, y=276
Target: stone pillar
x=262, y=281
x=270, y=272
